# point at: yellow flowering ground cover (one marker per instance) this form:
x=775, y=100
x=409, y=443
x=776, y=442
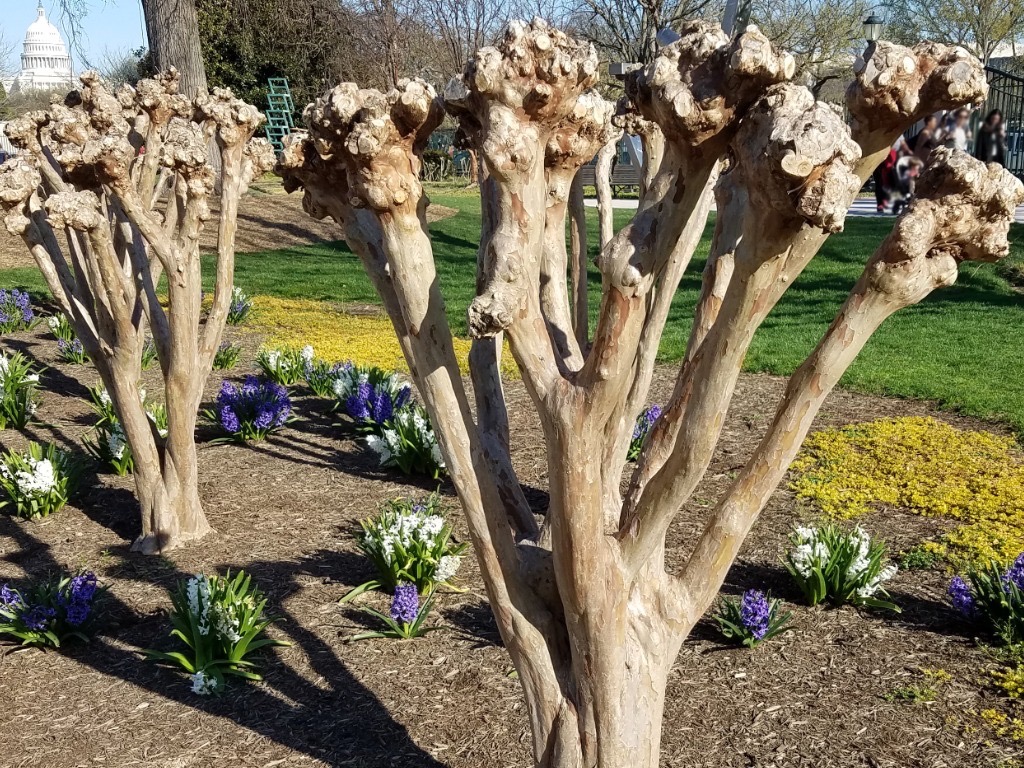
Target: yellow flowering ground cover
x=339, y=335
x=927, y=467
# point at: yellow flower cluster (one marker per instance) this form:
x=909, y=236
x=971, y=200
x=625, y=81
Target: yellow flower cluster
x=339, y=335
x=926, y=467
x=1010, y=680
x=1004, y=725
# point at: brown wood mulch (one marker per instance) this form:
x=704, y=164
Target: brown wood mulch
x=286, y=511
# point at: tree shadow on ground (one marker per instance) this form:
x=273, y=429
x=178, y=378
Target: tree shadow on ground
x=340, y=722
x=55, y=379
x=476, y=620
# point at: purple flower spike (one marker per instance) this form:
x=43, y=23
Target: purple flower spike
x=960, y=594
x=8, y=596
x=755, y=612
x=83, y=587
x=405, y=605
x=1015, y=574
x=257, y=403
x=77, y=613
x=38, y=617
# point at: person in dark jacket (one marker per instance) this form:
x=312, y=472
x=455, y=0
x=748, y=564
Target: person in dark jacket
x=990, y=146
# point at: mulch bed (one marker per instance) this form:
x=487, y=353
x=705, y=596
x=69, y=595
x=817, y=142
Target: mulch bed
x=286, y=511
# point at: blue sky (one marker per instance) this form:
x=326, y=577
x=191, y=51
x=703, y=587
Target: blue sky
x=110, y=25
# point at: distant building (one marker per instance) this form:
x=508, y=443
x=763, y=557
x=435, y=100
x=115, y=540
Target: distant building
x=45, y=63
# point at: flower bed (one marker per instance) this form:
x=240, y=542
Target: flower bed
x=926, y=467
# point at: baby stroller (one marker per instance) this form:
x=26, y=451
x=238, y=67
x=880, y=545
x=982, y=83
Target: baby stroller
x=902, y=179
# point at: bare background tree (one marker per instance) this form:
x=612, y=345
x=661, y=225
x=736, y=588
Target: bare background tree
x=588, y=613
x=172, y=27
x=824, y=36
x=979, y=25
x=627, y=30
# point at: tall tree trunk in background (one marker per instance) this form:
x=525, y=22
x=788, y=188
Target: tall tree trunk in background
x=173, y=30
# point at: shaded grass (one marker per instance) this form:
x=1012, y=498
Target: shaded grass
x=963, y=346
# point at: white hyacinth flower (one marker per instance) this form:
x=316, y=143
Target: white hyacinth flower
x=380, y=447
x=203, y=684
x=116, y=443
x=38, y=480
x=873, y=586
x=435, y=454
x=432, y=525
x=447, y=567
x=307, y=353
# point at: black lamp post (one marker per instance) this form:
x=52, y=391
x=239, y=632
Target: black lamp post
x=873, y=27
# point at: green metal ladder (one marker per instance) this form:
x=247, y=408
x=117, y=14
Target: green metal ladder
x=280, y=108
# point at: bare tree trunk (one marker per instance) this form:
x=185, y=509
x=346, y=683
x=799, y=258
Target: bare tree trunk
x=578, y=260
x=120, y=243
x=173, y=30
x=589, y=615
x=603, y=183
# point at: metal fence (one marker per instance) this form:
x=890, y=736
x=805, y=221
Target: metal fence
x=1006, y=93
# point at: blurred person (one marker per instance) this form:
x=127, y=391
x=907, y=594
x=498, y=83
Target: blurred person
x=904, y=178
x=958, y=132
x=990, y=146
x=927, y=138
x=883, y=174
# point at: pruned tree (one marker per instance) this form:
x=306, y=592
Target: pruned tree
x=589, y=615
x=125, y=176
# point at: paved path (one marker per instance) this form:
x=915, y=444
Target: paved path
x=862, y=206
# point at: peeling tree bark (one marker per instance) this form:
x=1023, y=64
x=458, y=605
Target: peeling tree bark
x=588, y=614
x=96, y=167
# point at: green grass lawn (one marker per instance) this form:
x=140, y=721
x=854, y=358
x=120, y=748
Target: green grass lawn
x=964, y=346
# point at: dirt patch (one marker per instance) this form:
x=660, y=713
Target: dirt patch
x=285, y=510
x=265, y=222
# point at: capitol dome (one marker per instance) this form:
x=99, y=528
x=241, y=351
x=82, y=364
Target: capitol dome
x=45, y=63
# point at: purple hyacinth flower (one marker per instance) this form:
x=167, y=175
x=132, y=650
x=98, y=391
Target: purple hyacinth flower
x=83, y=587
x=257, y=402
x=358, y=403
x=357, y=407
x=264, y=418
x=405, y=605
x=229, y=420
x=755, y=612
x=1015, y=574
x=77, y=613
x=9, y=597
x=38, y=617
x=645, y=421
x=380, y=407
x=402, y=397
x=960, y=594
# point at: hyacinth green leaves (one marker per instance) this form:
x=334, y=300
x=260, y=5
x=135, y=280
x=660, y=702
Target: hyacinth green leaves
x=221, y=622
